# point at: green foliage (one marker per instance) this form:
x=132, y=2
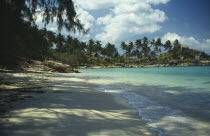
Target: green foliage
x=97, y=48
x=149, y=50
x=28, y=43
x=158, y=45
x=90, y=47
x=21, y=38
x=60, y=41
x=128, y=48
x=110, y=50
x=20, y=35
x=168, y=45
x=96, y=61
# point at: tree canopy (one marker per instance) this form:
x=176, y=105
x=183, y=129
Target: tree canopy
x=20, y=35
x=63, y=11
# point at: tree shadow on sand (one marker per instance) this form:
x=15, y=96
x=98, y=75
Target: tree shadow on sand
x=73, y=108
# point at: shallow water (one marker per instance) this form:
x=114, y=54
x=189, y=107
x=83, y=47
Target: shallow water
x=174, y=100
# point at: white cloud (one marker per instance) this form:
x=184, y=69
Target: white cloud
x=156, y=2
x=101, y=4
x=130, y=18
x=191, y=42
x=85, y=18
x=184, y=40
x=126, y=19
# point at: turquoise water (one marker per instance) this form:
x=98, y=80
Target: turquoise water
x=174, y=100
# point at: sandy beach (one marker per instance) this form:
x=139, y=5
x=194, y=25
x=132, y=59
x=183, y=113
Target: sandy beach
x=72, y=106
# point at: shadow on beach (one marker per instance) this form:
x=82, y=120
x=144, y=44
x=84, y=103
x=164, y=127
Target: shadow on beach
x=72, y=108
x=75, y=107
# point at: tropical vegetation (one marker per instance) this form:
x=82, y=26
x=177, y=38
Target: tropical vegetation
x=21, y=38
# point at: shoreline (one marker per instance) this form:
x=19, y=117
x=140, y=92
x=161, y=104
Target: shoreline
x=50, y=103
x=171, y=64
x=73, y=106
x=154, y=101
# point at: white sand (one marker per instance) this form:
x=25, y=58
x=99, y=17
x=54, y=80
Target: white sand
x=73, y=107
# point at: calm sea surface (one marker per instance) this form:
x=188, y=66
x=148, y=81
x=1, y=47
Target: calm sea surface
x=174, y=100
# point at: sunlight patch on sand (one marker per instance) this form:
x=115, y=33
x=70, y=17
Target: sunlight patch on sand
x=177, y=125
x=34, y=113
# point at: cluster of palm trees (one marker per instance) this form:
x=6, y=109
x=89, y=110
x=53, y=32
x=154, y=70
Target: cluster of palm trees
x=73, y=50
x=144, y=48
x=61, y=44
x=95, y=48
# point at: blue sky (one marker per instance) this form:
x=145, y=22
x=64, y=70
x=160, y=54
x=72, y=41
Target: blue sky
x=187, y=17
x=127, y=20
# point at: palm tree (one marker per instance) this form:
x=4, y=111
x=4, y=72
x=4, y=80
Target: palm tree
x=83, y=46
x=177, y=46
x=145, y=47
x=76, y=46
x=103, y=52
x=138, y=43
x=168, y=45
x=152, y=54
x=68, y=44
x=124, y=48
x=158, y=45
x=97, y=48
x=130, y=48
x=177, y=49
x=110, y=50
x=152, y=44
x=135, y=53
x=90, y=46
x=138, y=46
x=60, y=40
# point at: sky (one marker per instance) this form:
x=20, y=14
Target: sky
x=127, y=20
